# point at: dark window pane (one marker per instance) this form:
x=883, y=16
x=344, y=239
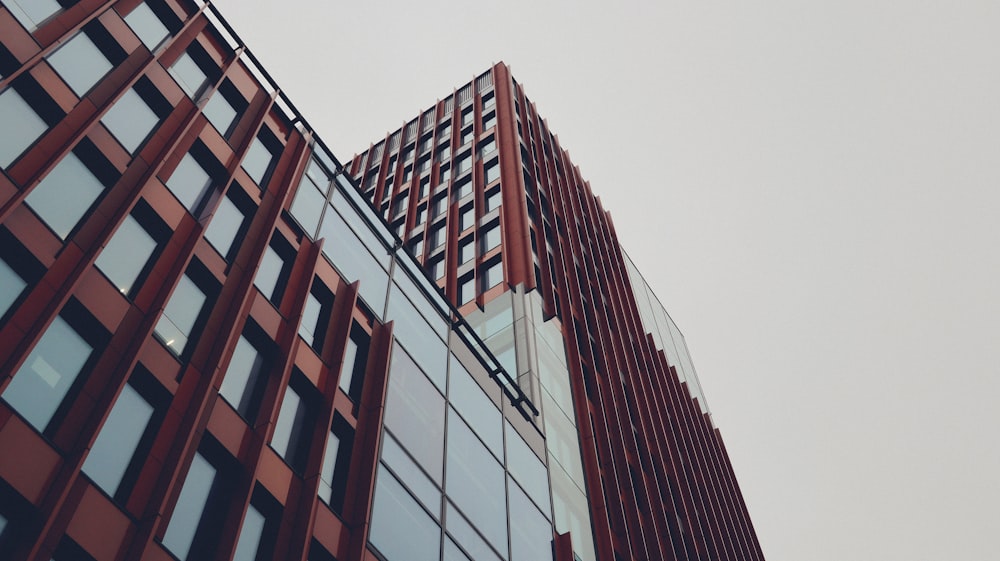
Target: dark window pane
x=126, y=255
x=65, y=195
x=118, y=440
x=42, y=382
x=190, y=507
x=80, y=63
x=22, y=126
x=225, y=226
x=414, y=412
x=400, y=529
x=189, y=182
x=243, y=383
x=180, y=316
x=11, y=287
x=130, y=120
x=147, y=26
x=292, y=429
x=355, y=361
x=476, y=483
x=31, y=13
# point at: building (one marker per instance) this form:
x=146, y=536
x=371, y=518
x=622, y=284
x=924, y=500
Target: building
x=213, y=347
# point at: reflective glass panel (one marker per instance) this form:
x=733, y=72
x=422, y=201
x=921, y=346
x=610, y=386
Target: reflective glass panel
x=257, y=161
x=476, y=483
x=414, y=412
x=220, y=112
x=22, y=126
x=189, y=182
x=308, y=206
x=31, y=13
x=126, y=254
x=476, y=408
x=269, y=274
x=11, y=287
x=190, y=77
x=400, y=529
x=351, y=258
x=251, y=534
x=352, y=369
x=329, y=466
x=243, y=381
x=411, y=475
x=291, y=431
x=147, y=26
x=189, y=508
x=65, y=195
x=180, y=315
x=492, y=171
x=42, y=382
x=530, y=532
x=130, y=120
x=493, y=200
x=310, y=316
x=491, y=238
x=452, y=552
x=416, y=334
x=225, y=226
x=80, y=63
x=525, y=466
x=464, y=534
x=118, y=440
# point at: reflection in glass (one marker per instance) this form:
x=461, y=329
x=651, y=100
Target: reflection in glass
x=118, y=440
x=65, y=195
x=464, y=534
x=41, y=384
x=22, y=126
x=126, y=255
x=180, y=315
x=525, y=466
x=80, y=63
x=414, y=412
x=530, y=532
x=477, y=409
x=147, y=26
x=411, y=475
x=476, y=483
x=190, y=506
x=400, y=529
x=130, y=120
x=243, y=383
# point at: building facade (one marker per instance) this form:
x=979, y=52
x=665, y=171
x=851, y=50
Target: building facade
x=219, y=342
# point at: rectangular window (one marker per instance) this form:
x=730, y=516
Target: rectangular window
x=119, y=451
x=492, y=171
x=190, y=181
x=464, y=164
x=197, y=516
x=489, y=120
x=246, y=375
x=493, y=200
x=22, y=126
x=467, y=136
x=224, y=108
x=316, y=315
x=310, y=198
x=489, y=100
x=80, y=63
x=185, y=312
x=463, y=188
x=55, y=366
x=261, y=157
x=445, y=173
x=436, y=237
x=18, y=270
x=436, y=268
x=467, y=217
x=192, y=69
x=256, y=540
x=70, y=189
x=229, y=222
x=275, y=267
x=421, y=214
x=439, y=205
x=296, y=417
x=493, y=275
x=352, y=370
x=466, y=289
x=32, y=13
x=490, y=236
x=131, y=252
x=133, y=117
x=467, y=115
x=147, y=26
x=466, y=250
x=336, y=462
x=487, y=146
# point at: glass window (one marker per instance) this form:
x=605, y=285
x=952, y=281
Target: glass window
x=464, y=164
x=436, y=237
x=400, y=529
x=22, y=126
x=491, y=237
x=488, y=146
x=307, y=208
x=525, y=466
x=489, y=120
x=129, y=254
x=12, y=285
x=336, y=462
x=256, y=539
x=189, y=74
x=410, y=474
x=464, y=188
x=493, y=275
x=414, y=412
x=293, y=427
x=489, y=99
x=191, y=508
x=530, y=532
x=352, y=372
x=492, y=171
x=181, y=315
x=476, y=407
x=244, y=382
x=80, y=63
x=464, y=533
x=116, y=447
x=147, y=26
x=39, y=387
x=467, y=115
x=466, y=290
x=260, y=158
x=131, y=120
x=223, y=108
x=445, y=173
x=226, y=225
x=275, y=267
x=32, y=13
x=420, y=337
x=65, y=195
x=467, y=136
x=476, y=483
x=436, y=268
x=190, y=182
x=439, y=206
x=466, y=250
x=316, y=315
x=493, y=200
x=352, y=257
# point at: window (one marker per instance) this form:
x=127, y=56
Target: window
x=32, y=13
x=275, y=267
x=190, y=181
x=245, y=379
x=54, y=367
x=493, y=200
x=469, y=399
x=467, y=115
x=467, y=217
x=256, y=539
x=192, y=69
x=185, y=312
x=493, y=275
x=80, y=63
x=464, y=164
x=492, y=170
x=68, y=192
x=463, y=188
x=229, y=222
x=491, y=237
x=476, y=483
x=414, y=413
x=467, y=136
x=18, y=269
x=261, y=157
x=295, y=420
x=352, y=371
x=197, y=517
x=224, y=107
x=487, y=146
x=435, y=238
x=466, y=289
x=421, y=214
x=445, y=173
x=316, y=315
x=489, y=120
x=310, y=197
x=131, y=252
x=119, y=452
x=424, y=184
x=147, y=26
x=400, y=529
x=436, y=268
x=132, y=118
x=466, y=250
x=336, y=462
x=489, y=100
x=22, y=126
x=439, y=206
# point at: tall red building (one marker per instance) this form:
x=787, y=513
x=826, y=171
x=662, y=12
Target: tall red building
x=212, y=347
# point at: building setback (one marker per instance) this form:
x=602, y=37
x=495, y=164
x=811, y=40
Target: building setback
x=218, y=342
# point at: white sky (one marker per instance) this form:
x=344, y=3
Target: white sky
x=811, y=188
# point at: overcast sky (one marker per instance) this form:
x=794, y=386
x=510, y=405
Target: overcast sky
x=812, y=189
